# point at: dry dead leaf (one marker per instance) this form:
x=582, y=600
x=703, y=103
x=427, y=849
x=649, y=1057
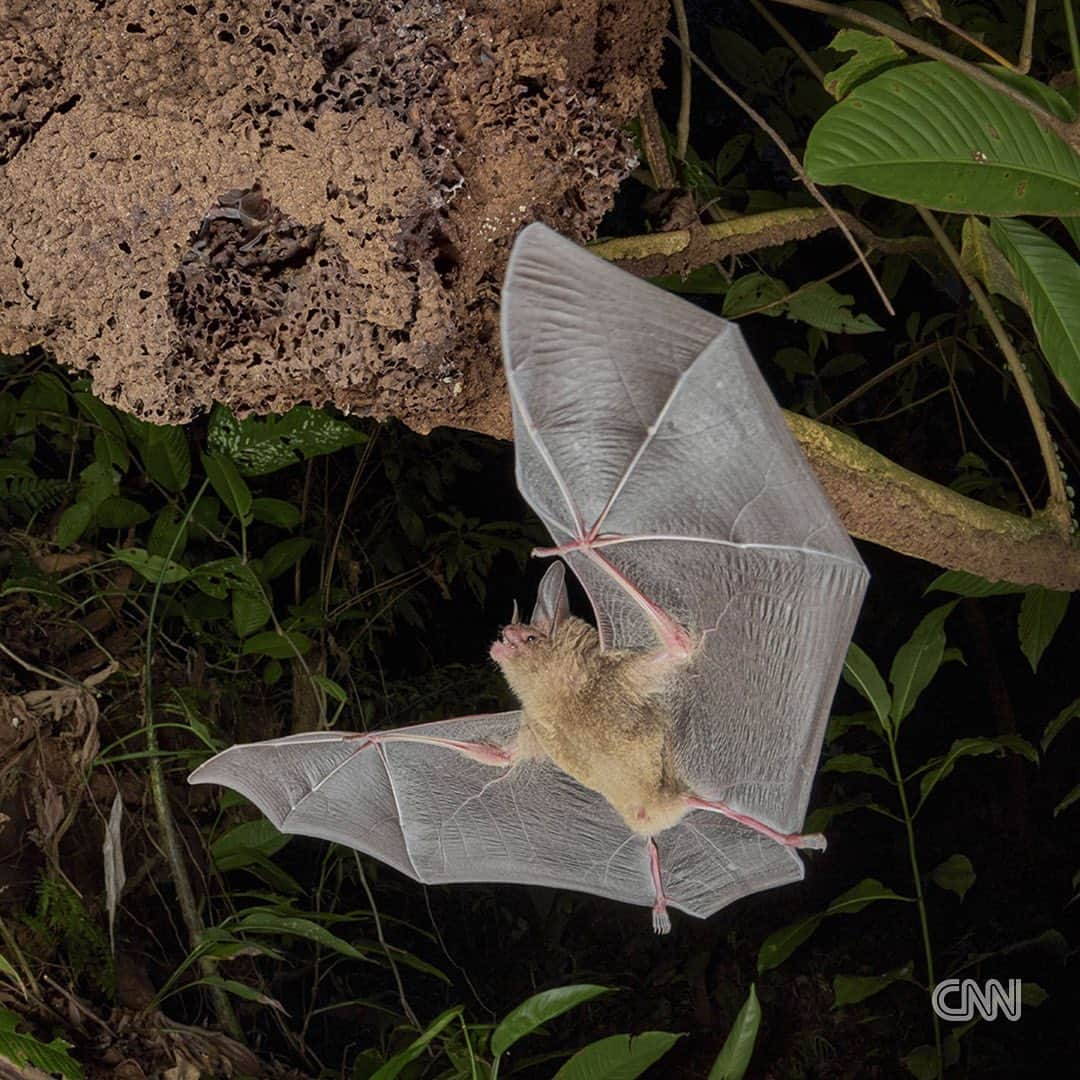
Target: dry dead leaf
x=115, y=876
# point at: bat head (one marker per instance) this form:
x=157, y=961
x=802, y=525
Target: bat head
x=526, y=651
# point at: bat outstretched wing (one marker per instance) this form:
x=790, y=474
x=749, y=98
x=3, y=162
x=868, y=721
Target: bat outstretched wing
x=651, y=447
x=415, y=802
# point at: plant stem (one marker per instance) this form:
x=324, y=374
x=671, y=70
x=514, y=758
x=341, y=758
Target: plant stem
x=1057, y=507
x=170, y=839
x=920, y=901
x=682, y=129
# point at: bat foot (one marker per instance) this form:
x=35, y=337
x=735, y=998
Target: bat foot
x=661, y=920
x=808, y=841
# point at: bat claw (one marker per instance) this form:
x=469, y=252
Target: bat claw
x=661, y=920
x=809, y=841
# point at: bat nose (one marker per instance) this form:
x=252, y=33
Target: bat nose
x=515, y=634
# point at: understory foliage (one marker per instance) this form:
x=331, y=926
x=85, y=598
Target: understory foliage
x=165, y=592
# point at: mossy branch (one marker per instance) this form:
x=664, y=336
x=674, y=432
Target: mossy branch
x=881, y=501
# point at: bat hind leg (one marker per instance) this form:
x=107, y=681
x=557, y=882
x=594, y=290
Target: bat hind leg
x=808, y=841
x=661, y=920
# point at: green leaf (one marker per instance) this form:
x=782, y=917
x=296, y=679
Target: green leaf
x=985, y=261
x=166, y=456
x=241, y=990
x=1068, y=800
x=275, y=512
x=1050, y=277
x=1057, y=725
x=917, y=661
x=861, y=673
x=1041, y=613
x=270, y=923
x=938, y=768
x=702, y=281
x=539, y=1009
x=866, y=892
x=780, y=944
x=851, y=989
x=955, y=874
x=168, y=534
x=858, y=763
x=250, y=612
x=51, y=1057
x=111, y=431
x=734, y=1057
x=217, y=577
x=284, y=555
x=330, y=688
x=152, y=567
x=965, y=584
x=242, y=845
x=46, y=393
x=74, y=521
x=922, y=1063
x=226, y=480
x=398, y=1062
x=263, y=445
x=822, y=306
x=618, y=1057
x=1032, y=994
x=926, y=134
x=117, y=512
x=7, y=969
x=279, y=646
x=873, y=54
x=753, y=291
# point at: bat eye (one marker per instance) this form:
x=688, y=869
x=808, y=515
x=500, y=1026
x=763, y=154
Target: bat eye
x=531, y=639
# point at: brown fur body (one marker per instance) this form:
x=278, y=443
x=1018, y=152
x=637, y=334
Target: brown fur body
x=598, y=716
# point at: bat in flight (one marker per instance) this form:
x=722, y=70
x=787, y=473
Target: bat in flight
x=664, y=756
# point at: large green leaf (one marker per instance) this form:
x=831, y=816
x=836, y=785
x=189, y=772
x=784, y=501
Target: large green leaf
x=618, y=1057
x=780, y=944
x=537, y=1010
x=917, y=661
x=861, y=673
x=938, y=768
x=926, y=134
x=734, y=1057
x=1050, y=277
x=398, y=1062
x=1040, y=615
x=851, y=989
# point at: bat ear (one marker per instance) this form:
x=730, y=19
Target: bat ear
x=552, y=600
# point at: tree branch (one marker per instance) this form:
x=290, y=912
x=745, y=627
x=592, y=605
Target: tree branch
x=881, y=501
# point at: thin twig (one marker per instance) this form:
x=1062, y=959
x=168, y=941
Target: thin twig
x=1057, y=506
x=406, y=1007
x=789, y=39
x=682, y=128
x=793, y=161
x=880, y=377
x=35, y=670
x=958, y=398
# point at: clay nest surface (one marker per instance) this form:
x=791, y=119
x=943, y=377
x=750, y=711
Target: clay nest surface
x=266, y=202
